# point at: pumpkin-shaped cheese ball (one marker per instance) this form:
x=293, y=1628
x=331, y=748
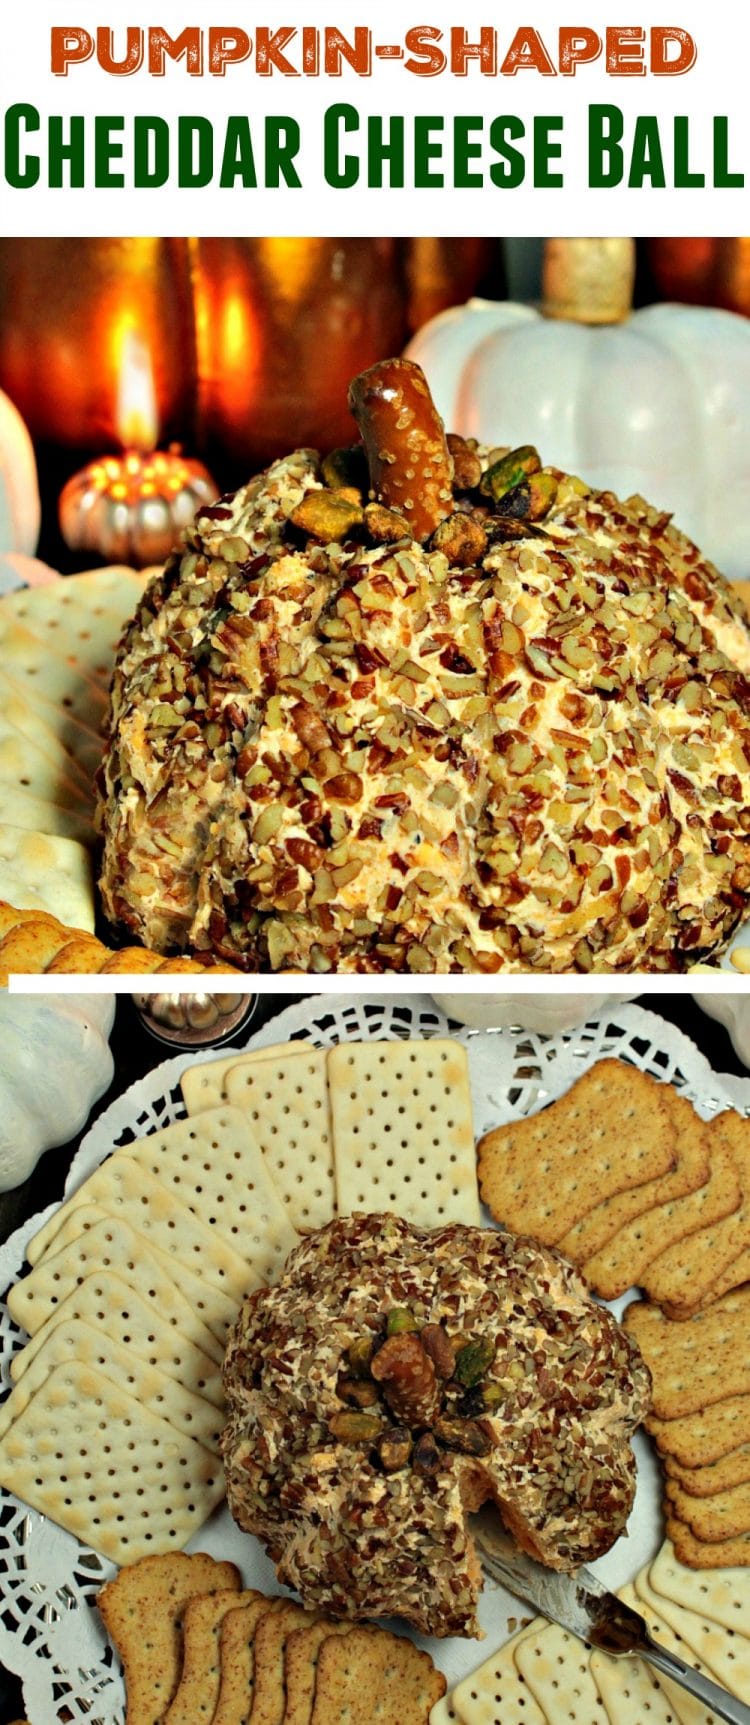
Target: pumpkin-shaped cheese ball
x=501, y=723
x=398, y=1377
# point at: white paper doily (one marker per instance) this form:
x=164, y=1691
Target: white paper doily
x=49, y=1633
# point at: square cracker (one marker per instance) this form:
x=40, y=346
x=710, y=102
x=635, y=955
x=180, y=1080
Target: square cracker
x=33, y=665
x=723, y=1515
x=269, y=1649
x=204, y=1085
x=197, y=1693
x=543, y=1174
x=81, y=617
x=605, y=1223
x=301, y=1654
x=29, y=721
x=143, y=1610
x=41, y=871
x=33, y=1300
x=131, y=1258
x=86, y=1454
x=699, y=1439
x=212, y=1165
x=74, y=1340
x=19, y=808
x=630, y=1690
x=721, y=1597
x=123, y=1186
x=29, y=707
x=237, y=1661
x=686, y=1708
x=696, y=1362
x=496, y=1693
x=725, y=1655
x=26, y=767
x=555, y=1665
x=625, y=1260
x=684, y=1275
x=114, y=1309
x=370, y=1677
x=403, y=1138
x=285, y=1102
x=733, y=1469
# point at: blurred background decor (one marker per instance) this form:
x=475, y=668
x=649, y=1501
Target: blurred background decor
x=250, y=345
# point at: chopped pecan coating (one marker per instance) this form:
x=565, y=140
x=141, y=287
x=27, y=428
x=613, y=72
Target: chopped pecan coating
x=356, y=1520
x=550, y=746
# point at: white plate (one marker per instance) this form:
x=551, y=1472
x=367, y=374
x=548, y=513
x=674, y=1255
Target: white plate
x=49, y=1633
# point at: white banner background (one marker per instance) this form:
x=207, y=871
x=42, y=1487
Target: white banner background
x=717, y=84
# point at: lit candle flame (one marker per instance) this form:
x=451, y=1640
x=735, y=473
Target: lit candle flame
x=135, y=416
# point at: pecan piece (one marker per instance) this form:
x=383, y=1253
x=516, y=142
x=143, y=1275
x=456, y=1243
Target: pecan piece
x=437, y=1343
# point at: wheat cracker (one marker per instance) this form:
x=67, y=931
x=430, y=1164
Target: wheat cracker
x=269, y=1650
x=610, y=1132
x=684, y=1274
x=142, y=1610
x=723, y=1515
x=402, y=1130
x=606, y=1221
x=699, y=1439
x=204, y=1085
x=74, y=1340
x=286, y=1104
x=370, y=1677
x=624, y=1261
x=736, y=1272
x=301, y=1654
x=697, y=1362
x=86, y=1454
x=733, y=1469
x=722, y=1596
x=701, y=1554
x=496, y=1693
x=197, y=1692
x=722, y=1653
x=237, y=1662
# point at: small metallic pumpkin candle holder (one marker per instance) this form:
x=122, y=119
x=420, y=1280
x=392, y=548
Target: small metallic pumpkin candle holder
x=131, y=508
x=195, y=1020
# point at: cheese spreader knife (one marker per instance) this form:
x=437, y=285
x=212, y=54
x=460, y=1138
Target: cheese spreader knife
x=581, y=1604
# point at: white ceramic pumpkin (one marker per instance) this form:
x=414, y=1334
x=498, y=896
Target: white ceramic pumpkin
x=546, y=1013
x=54, y=1063
x=733, y=1011
x=657, y=404
x=20, y=508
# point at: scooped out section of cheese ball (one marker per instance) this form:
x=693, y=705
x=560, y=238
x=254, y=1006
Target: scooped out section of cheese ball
x=423, y=706
x=394, y=1380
